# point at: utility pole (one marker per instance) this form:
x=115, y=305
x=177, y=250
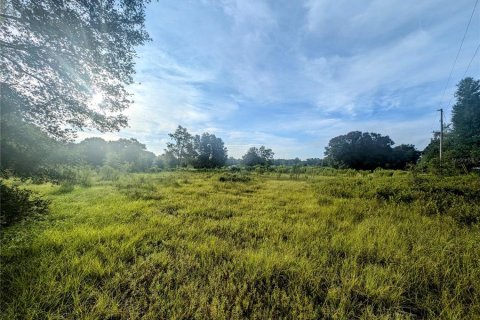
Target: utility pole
x=441, y=134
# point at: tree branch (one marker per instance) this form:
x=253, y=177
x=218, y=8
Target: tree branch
x=25, y=72
x=7, y=16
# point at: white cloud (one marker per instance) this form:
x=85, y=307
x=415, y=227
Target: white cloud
x=292, y=76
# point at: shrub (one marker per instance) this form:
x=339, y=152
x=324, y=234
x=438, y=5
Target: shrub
x=108, y=173
x=18, y=204
x=228, y=177
x=66, y=174
x=65, y=187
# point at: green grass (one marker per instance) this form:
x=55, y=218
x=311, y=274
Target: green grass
x=192, y=245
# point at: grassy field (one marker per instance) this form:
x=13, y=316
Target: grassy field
x=217, y=245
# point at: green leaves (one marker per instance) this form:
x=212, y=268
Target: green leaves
x=205, y=151
x=368, y=151
x=18, y=204
x=258, y=156
x=56, y=54
x=461, y=144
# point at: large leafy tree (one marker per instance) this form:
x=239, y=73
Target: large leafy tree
x=466, y=118
x=367, y=151
x=93, y=151
x=258, y=156
x=27, y=151
x=403, y=155
x=210, y=151
x=182, y=146
x=461, y=139
x=205, y=151
x=66, y=64
x=359, y=150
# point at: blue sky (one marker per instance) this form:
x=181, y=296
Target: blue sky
x=293, y=74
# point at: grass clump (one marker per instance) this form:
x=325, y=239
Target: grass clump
x=233, y=177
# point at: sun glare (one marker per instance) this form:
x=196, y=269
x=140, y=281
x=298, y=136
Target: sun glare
x=96, y=101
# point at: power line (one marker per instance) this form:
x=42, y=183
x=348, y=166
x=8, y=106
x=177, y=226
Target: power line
x=459, y=49
x=465, y=73
x=470, y=63
x=450, y=76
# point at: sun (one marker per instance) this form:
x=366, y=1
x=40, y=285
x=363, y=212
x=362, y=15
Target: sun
x=96, y=100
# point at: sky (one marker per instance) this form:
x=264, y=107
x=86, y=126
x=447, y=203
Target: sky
x=291, y=74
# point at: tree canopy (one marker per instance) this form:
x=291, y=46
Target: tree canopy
x=205, y=151
x=466, y=119
x=128, y=154
x=461, y=139
x=368, y=151
x=258, y=156
x=181, y=148
x=210, y=151
x=66, y=64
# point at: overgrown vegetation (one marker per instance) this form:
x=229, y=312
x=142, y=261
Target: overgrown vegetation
x=264, y=239
x=462, y=136
x=18, y=204
x=368, y=151
x=322, y=244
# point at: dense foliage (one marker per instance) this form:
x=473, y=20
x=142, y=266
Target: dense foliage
x=368, y=151
x=258, y=157
x=210, y=151
x=26, y=151
x=461, y=140
x=57, y=55
x=18, y=204
x=205, y=151
x=29, y=152
x=123, y=153
x=466, y=118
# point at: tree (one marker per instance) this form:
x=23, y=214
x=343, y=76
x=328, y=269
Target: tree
x=403, y=155
x=368, y=151
x=210, y=151
x=461, y=142
x=466, y=119
x=266, y=155
x=130, y=153
x=182, y=147
x=26, y=151
x=165, y=161
x=359, y=150
x=93, y=151
x=258, y=156
x=205, y=151
x=66, y=64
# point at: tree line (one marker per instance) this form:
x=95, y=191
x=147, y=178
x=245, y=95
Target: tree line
x=461, y=140
x=46, y=97
x=27, y=150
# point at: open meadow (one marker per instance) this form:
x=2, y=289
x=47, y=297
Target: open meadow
x=236, y=245
x=311, y=159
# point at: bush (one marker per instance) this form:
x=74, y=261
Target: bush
x=67, y=174
x=18, y=204
x=108, y=173
x=228, y=177
x=65, y=187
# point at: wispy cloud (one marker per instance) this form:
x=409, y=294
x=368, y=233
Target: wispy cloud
x=293, y=74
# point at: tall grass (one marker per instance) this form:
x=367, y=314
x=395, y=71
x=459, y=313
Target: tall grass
x=187, y=245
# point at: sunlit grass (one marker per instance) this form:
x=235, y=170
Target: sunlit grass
x=193, y=245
